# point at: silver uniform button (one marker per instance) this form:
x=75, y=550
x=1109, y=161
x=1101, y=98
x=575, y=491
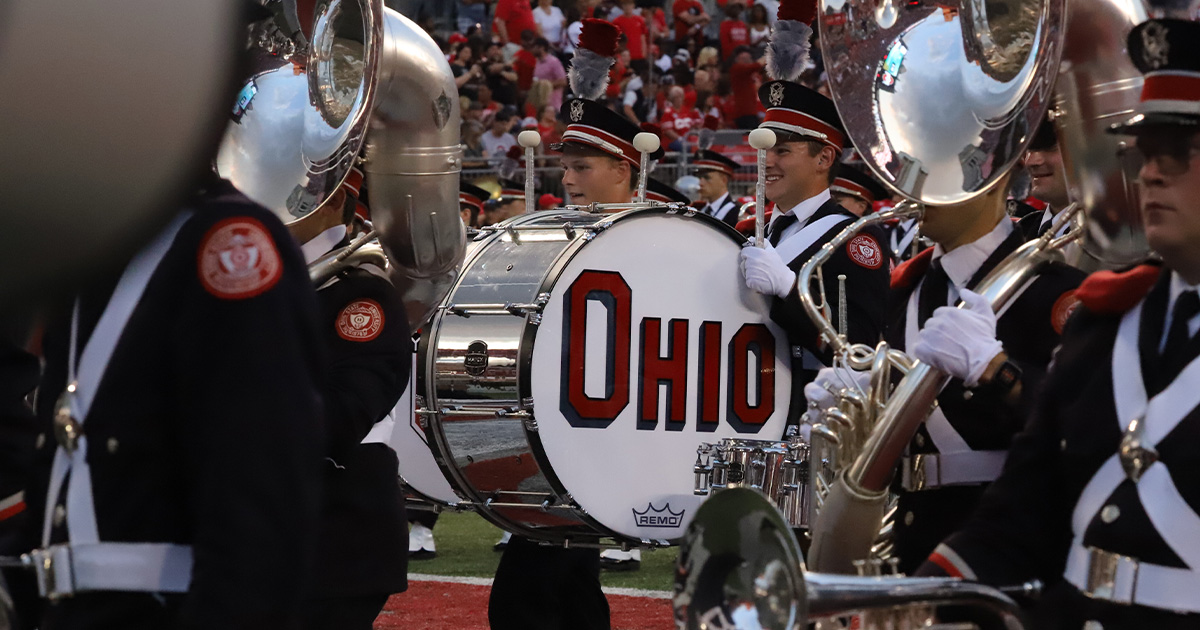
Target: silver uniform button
x=60, y=515
x=1110, y=513
x=908, y=518
x=112, y=445
x=920, y=440
x=1092, y=625
x=1063, y=444
x=968, y=394
x=40, y=441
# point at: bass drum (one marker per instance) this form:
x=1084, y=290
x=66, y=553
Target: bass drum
x=579, y=361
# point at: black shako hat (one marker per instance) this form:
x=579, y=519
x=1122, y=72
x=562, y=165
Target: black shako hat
x=593, y=125
x=1167, y=52
x=659, y=192
x=709, y=160
x=795, y=109
x=472, y=195
x=852, y=180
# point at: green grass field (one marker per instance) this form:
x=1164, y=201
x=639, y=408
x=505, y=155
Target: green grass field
x=464, y=546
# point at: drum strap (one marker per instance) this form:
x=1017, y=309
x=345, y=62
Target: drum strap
x=1174, y=519
x=792, y=246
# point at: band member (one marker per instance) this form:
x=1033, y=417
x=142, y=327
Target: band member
x=715, y=171
x=993, y=360
x=1045, y=165
x=180, y=411
x=1098, y=497
x=855, y=190
x=509, y=204
x=361, y=554
x=800, y=168
x=552, y=587
x=470, y=203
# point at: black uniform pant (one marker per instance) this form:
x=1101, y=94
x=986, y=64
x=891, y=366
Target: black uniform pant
x=344, y=613
x=547, y=588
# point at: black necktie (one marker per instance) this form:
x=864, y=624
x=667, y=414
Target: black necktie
x=1176, y=353
x=778, y=226
x=934, y=291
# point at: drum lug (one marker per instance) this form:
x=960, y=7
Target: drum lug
x=531, y=424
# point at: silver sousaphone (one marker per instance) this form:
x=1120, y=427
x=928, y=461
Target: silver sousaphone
x=351, y=78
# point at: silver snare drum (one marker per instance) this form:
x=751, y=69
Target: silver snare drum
x=779, y=470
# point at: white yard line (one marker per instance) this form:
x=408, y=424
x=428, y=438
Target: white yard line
x=478, y=581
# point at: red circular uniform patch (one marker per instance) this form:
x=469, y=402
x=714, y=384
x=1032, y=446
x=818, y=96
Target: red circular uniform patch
x=1061, y=312
x=865, y=251
x=238, y=259
x=360, y=320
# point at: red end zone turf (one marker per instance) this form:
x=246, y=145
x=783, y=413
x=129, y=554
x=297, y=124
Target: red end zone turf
x=449, y=606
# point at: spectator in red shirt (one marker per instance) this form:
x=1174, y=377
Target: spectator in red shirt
x=512, y=17
x=734, y=32
x=524, y=62
x=680, y=118
x=633, y=26
x=690, y=20
x=744, y=79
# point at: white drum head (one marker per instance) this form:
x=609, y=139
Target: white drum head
x=625, y=458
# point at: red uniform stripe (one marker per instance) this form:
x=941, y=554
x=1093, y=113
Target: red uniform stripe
x=800, y=119
x=1171, y=86
x=12, y=510
x=945, y=565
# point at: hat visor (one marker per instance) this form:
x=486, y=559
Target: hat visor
x=1142, y=123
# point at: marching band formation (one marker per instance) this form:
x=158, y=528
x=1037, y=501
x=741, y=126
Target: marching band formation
x=888, y=359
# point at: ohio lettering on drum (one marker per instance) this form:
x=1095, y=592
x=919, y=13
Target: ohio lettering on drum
x=749, y=400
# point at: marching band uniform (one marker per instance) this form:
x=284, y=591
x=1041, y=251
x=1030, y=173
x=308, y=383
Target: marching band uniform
x=362, y=557
x=900, y=239
x=200, y=432
x=724, y=207
x=797, y=234
x=961, y=446
x=1099, y=494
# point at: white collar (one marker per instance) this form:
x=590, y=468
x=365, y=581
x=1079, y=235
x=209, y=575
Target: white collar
x=1047, y=216
x=323, y=243
x=962, y=263
x=805, y=209
x=719, y=200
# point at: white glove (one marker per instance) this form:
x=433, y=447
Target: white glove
x=820, y=392
x=766, y=272
x=960, y=341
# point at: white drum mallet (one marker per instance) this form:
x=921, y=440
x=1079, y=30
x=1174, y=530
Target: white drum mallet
x=761, y=139
x=529, y=139
x=646, y=143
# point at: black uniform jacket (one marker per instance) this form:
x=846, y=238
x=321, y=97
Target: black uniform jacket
x=206, y=430
x=364, y=533
x=727, y=211
x=1022, y=529
x=1029, y=330
x=866, y=274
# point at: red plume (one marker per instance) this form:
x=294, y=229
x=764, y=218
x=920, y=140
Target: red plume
x=515, y=152
x=799, y=10
x=600, y=37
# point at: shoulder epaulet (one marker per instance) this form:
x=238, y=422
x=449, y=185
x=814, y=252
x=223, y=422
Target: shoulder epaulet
x=1115, y=292
x=912, y=269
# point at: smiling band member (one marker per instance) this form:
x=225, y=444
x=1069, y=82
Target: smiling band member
x=1045, y=165
x=799, y=170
